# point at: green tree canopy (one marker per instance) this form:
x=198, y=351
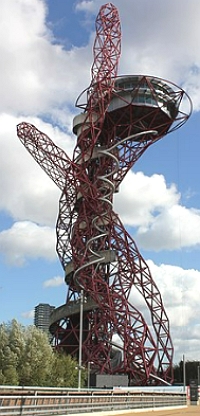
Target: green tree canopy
x=27, y=358
x=37, y=357
x=64, y=371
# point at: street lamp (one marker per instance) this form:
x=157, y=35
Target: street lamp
x=80, y=339
x=184, y=374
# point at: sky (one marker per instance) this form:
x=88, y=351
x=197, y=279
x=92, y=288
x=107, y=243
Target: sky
x=45, y=61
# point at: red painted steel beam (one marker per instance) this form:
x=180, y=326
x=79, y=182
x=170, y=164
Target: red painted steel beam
x=120, y=118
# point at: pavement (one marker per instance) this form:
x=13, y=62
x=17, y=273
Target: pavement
x=189, y=411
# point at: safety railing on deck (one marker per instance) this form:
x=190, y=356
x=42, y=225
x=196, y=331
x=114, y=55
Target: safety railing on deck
x=50, y=402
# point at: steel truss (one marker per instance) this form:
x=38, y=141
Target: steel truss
x=120, y=118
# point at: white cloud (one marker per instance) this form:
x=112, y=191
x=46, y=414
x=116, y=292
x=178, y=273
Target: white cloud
x=54, y=282
x=86, y=6
x=179, y=290
x=179, y=226
x=155, y=209
x=156, y=42
x=27, y=193
x=165, y=49
x=37, y=75
x=180, y=286
x=146, y=203
x=28, y=314
x=25, y=240
x=140, y=196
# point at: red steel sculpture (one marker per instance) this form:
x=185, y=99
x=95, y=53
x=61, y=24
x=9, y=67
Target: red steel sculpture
x=120, y=117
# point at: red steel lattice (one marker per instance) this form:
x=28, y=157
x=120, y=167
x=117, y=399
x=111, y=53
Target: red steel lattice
x=120, y=118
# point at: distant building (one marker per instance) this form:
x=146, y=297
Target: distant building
x=42, y=315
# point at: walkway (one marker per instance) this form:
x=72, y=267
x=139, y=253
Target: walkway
x=189, y=411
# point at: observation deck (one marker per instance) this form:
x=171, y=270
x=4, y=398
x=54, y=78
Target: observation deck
x=138, y=103
x=141, y=103
x=144, y=91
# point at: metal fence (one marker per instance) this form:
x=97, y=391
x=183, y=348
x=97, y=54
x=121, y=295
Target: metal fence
x=49, y=402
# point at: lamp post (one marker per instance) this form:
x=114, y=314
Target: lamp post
x=88, y=381
x=80, y=339
x=184, y=373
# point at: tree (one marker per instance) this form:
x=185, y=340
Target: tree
x=2, y=378
x=16, y=343
x=10, y=366
x=3, y=343
x=16, y=339
x=8, y=372
x=37, y=358
x=191, y=372
x=64, y=371
x=27, y=358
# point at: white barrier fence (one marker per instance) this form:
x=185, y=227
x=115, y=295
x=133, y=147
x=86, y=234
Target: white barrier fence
x=42, y=401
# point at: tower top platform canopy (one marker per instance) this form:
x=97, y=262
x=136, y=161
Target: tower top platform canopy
x=139, y=103
x=143, y=91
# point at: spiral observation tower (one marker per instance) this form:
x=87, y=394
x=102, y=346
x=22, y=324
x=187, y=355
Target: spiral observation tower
x=119, y=118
